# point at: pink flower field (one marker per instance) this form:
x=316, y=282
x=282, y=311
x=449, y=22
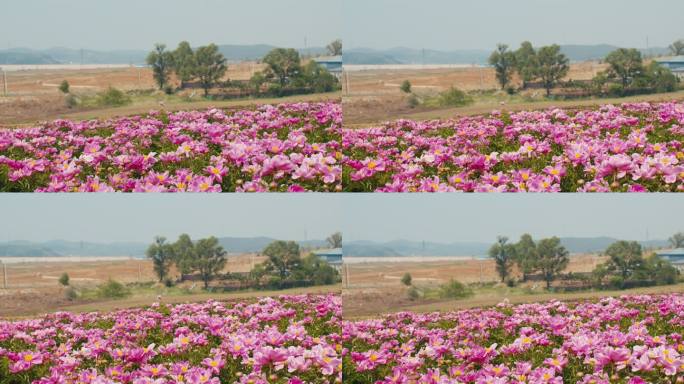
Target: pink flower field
x=630, y=339
x=627, y=148
x=288, y=147
x=286, y=339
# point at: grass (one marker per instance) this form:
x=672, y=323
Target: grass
x=142, y=102
x=485, y=101
x=487, y=296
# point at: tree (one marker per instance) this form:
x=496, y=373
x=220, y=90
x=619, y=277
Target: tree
x=677, y=240
x=64, y=279
x=657, y=77
x=553, y=259
x=210, y=259
x=625, y=65
x=406, y=279
x=335, y=240
x=318, y=78
x=283, y=65
x=526, y=256
x=503, y=62
x=677, y=48
x=552, y=66
x=161, y=62
x=183, y=254
x=405, y=86
x=625, y=258
x=503, y=255
x=184, y=63
x=209, y=66
x=161, y=256
x=64, y=86
x=335, y=48
x=283, y=258
x=526, y=63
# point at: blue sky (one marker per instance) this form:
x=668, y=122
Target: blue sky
x=135, y=24
x=468, y=24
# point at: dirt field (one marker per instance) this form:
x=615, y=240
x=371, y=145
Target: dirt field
x=371, y=288
x=34, y=287
x=33, y=94
x=372, y=96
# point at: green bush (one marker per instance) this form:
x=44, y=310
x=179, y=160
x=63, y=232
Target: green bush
x=113, y=97
x=64, y=86
x=454, y=97
x=70, y=294
x=64, y=279
x=112, y=289
x=454, y=289
x=71, y=101
x=413, y=293
x=406, y=279
x=405, y=86
x=413, y=101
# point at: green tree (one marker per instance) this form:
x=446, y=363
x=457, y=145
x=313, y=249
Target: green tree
x=552, y=66
x=283, y=258
x=161, y=62
x=335, y=240
x=64, y=86
x=503, y=62
x=677, y=48
x=625, y=258
x=335, y=48
x=284, y=65
x=314, y=76
x=405, y=86
x=677, y=240
x=526, y=256
x=210, y=259
x=161, y=255
x=184, y=63
x=503, y=255
x=553, y=259
x=526, y=63
x=657, y=77
x=209, y=66
x=64, y=279
x=406, y=279
x=625, y=65
x=184, y=257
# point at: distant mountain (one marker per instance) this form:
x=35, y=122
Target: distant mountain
x=133, y=249
x=402, y=55
x=60, y=55
x=418, y=248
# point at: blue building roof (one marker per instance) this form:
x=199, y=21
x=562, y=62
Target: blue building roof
x=672, y=59
x=672, y=252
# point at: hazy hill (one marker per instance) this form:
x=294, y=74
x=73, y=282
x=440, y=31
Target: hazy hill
x=418, y=248
x=60, y=55
x=402, y=55
x=134, y=249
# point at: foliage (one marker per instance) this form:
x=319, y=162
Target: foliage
x=335, y=240
x=112, y=289
x=454, y=289
x=112, y=97
x=335, y=47
x=551, y=66
x=64, y=86
x=184, y=63
x=503, y=62
x=161, y=62
x=405, y=86
x=526, y=63
x=626, y=65
x=210, y=259
x=284, y=65
x=317, y=78
x=454, y=97
x=553, y=259
x=677, y=240
x=526, y=255
x=161, y=254
x=406, y=279
x=503, y=254
x=209, y=66
x=677, y=48
x=64, y=279
x=283, y=258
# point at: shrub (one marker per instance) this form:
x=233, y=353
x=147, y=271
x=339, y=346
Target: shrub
x=406, y=279
x=454, y=289
x=70, y=294
x=64, y=279
x=113, y=97
x=413, y=101
x=168, y=282
x=169, y=90
x=71, y=101
x=454, y=97
x=112, y=289
x=405, y=86
x=64, y=86
x=413, y=293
